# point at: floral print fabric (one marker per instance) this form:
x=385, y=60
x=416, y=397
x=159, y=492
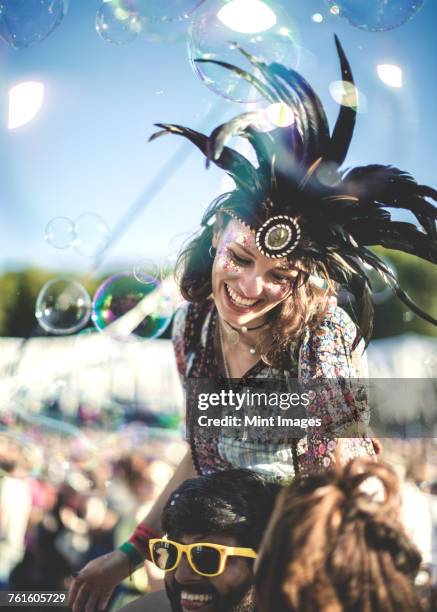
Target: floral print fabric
x=324, y=353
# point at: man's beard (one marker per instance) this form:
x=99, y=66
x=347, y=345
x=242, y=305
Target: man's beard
x=240, y=600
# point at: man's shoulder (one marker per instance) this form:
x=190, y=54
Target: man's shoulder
x=153, y=602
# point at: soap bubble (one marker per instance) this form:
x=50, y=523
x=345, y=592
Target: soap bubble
x=121, y=309
x=217, y=31
x=59, y=232
x=376, y=15
x=91, y=235
x=63, y=306
x=165, y=31
x=168, y=265
x=26, y=22
x=146, y=271
x=116, y=24
x=163, y=10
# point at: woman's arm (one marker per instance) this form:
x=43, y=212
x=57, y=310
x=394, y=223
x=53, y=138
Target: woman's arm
x=92, y=587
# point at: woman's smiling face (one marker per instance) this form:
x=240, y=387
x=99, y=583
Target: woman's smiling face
x=246, y=285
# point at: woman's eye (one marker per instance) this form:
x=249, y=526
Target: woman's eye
x=238, y=259
x=282, y=280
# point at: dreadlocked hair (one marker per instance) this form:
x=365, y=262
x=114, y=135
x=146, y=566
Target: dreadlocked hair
x=303, y=309
x=332, y=547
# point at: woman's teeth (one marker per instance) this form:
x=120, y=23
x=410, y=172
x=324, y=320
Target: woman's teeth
x=237, y=299
x=195, y=597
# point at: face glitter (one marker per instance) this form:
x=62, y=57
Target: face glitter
x=246, y=284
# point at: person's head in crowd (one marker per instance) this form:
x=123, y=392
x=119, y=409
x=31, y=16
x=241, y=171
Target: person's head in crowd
x=333, y=546
x=228, y=510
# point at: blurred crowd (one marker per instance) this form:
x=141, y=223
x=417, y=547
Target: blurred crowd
x=66, y=499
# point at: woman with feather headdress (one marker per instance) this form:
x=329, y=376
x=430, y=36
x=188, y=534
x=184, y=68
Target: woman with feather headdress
x=261, y=280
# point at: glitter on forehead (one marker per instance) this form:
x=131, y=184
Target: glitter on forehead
x=241, y=234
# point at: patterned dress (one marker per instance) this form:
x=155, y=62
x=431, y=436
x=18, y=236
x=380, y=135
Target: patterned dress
x=324, y=354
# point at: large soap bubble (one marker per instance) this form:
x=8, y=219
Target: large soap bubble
x=218, y=29
x=129, y=309
x=116, y=23
x=26, y=22
x=376, y=15
x=163, y=10
x=63, y=306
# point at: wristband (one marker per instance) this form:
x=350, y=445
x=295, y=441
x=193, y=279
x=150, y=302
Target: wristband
x=133, y=554
x=140, y=540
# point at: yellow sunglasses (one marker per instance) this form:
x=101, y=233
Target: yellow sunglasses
x=204, y=558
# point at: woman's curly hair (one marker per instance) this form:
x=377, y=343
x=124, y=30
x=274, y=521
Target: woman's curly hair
x=331, y=546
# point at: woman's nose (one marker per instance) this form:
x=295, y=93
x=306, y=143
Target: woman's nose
x=251, y=285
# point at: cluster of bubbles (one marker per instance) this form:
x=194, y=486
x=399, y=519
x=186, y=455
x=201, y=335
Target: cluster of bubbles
x=26, y=22
x=121, y=21
x=376, y=15
x=261, y=27
x=88, y=235
x=127, y=306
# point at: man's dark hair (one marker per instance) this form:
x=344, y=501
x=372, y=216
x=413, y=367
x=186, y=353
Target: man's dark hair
x=235, y=503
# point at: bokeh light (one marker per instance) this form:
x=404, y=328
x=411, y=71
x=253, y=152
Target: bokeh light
x=247, y=16
x=280, y=114
x=63, y=306
x=25, y=102
x=376, y=15
x=390, y=74
x=59, y=232
x=116, y=24
x=270, y=35
x=26, y=22
x=128, y=309
x=347, y=94
x=317, y=18
x=328, y=173
x=91, y=235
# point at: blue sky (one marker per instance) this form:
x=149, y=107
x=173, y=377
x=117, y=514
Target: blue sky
x=87, y=150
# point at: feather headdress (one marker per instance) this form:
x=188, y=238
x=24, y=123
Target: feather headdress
x=301, y=204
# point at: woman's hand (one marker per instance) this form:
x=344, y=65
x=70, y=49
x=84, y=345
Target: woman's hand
x=91, y=589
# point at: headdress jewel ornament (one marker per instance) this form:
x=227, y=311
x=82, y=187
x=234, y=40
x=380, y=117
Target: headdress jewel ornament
x=298, y=201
